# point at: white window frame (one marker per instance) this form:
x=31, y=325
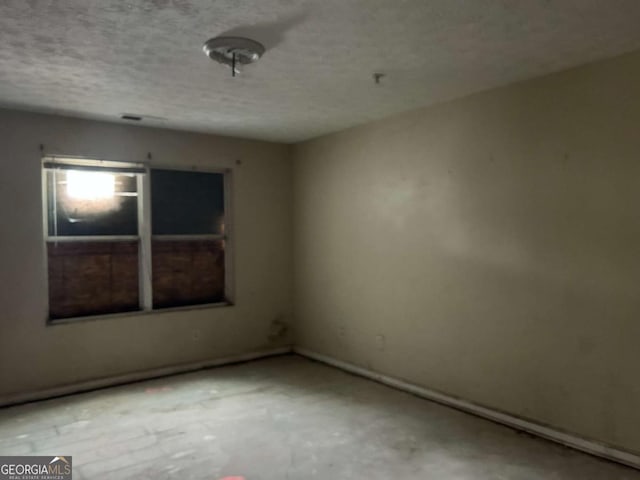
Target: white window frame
x=145, y=236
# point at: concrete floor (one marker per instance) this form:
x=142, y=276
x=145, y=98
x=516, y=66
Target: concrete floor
x=277, y=419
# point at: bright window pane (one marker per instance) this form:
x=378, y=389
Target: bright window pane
x=90, y=203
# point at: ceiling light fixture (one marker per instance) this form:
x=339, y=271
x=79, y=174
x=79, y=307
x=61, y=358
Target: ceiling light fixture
x=233, y=51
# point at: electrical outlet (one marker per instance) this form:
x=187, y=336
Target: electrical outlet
x=380, y=343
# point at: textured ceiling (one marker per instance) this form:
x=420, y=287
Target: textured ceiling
x=102, y=58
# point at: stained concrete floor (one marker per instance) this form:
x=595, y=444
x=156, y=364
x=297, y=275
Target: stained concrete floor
x=277, y=419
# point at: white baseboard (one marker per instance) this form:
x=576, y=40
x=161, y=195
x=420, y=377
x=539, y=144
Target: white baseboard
x=137, y=376
x=540, y=430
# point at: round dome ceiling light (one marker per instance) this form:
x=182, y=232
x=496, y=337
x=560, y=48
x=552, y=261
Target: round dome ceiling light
x=233, y=51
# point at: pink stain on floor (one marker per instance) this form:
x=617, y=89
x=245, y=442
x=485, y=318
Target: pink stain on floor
x=153, y=390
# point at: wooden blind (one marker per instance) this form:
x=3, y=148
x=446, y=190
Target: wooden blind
x=92, y=278
x=187, y=272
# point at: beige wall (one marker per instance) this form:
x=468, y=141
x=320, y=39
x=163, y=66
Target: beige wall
x=488, y=248
x=493, y=241
x=34, y=356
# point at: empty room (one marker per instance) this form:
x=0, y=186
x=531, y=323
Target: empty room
x=320, y=239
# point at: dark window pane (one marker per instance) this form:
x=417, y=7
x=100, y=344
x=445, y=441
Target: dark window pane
x=187, y=272
x=91, y=203
x=92, y=278
x=187, y=203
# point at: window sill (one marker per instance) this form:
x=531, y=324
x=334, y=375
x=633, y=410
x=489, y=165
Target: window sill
x=137, y=313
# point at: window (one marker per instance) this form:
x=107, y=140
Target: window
x=187, y=212
x=121, y=237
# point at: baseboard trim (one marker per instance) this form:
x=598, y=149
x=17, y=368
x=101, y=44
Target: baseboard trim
x=80, y=387
x=540, y=430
